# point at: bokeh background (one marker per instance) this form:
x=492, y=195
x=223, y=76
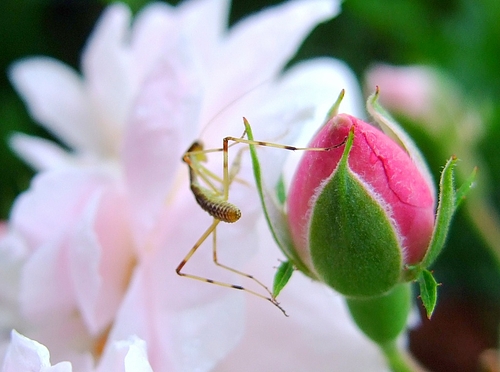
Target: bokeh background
x=460, y=38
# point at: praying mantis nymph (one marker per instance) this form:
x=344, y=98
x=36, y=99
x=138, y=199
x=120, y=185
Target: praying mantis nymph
x=215, y=201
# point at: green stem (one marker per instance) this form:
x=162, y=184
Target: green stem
x=395, y=358
x=383, y=319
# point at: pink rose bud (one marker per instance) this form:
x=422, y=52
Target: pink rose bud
x=359, y=212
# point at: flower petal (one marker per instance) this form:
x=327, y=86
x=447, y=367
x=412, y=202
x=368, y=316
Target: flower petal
x=106, y=65
x=297, y=107
x=55, y=97
x=101, y=257
x=153, y=30
x=126, y=356
x=324, y=336
x=160, y=128
x=205, y=23
x=24, y=354
x=12, y=258
x=266, y=41
x=394, y=130
x=48, y=267
x=38, y=152
x=64, y=191
x=185, y=338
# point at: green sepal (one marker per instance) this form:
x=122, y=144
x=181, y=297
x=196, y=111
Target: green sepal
x=280, y=191
x=335, y=108
x=282, y=276
x=273, y=211
x=428, y=291
x=462, y=192
x=449, y=200
x=382, y=318
x=446, y=209
x=353, y=244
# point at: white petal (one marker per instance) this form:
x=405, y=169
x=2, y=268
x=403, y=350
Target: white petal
x=126, y=356
x=27, y=355
x=45, y=216
x=100, y=259
x=179, y=338
x=45, y=285
x=155, y=28
x=205, y=24
x=297, y=107
x=56, y=98
x=319, y=334
x=259, y=46
x=161, y=128
x=12, y=258
x=39, y=153
x=49, y=207
x=107, y=70
x=316, y=83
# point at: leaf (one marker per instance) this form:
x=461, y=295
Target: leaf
x=428, y=291
x=282, y=276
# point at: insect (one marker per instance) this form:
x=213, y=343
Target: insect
x=215, y=201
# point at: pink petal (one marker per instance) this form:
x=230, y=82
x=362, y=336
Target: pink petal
x=160, y=130
x=409, y=89
x=106, y=64
x=65, y=192
x=38, y=152
x=185, y=338
x=27, y=355
x=155, y=27
x=299, y=104
x=392, y=129
x=265, y=42
x=127, y=356
x=101, y=257
x=386, y=170
x=205, y=24
x=45, y=285
x=319, y=334
x=55, y=97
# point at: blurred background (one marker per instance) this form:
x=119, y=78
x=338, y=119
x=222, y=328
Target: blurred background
x=459, y=43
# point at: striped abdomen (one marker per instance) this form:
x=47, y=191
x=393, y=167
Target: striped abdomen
x=211, y=203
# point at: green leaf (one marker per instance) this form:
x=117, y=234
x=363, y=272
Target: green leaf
x=282, y=276
x=445, y=211
x=428, y=291
x=273, y=211
x=354, y=246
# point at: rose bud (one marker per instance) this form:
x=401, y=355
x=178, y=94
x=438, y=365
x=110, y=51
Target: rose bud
x=359, y=212
x=361, y=217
